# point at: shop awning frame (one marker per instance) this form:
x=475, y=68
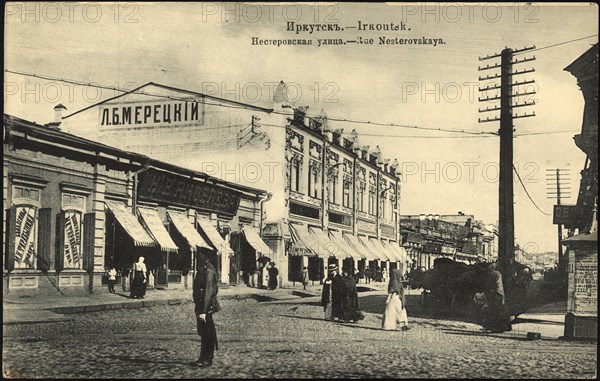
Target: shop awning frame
x=370, y=246
x=338, y=238
x=359, y=247
x=185, y=227
x=218, y=243
x=130, y=224
x=301, y=239
x=154, y=226
x=255, y=240
x=392, y=257
x=325, y=247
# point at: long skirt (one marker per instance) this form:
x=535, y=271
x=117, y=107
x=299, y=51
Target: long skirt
x=138, y=286
x=328, y=311
x=394, y=313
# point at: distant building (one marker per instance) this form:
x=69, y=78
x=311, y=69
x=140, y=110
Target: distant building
x=460, y=237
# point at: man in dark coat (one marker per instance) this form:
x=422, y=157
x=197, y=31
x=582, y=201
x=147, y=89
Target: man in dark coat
x=205, y=291
x=350, y=307
x=331, y=298
x=273, y=274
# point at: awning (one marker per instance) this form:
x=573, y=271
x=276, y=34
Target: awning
x=185, y=227
x=301, y=240
x=369, y=245
x=359, y=247
x=324, y=246
x=399, y=250
x=385, y=250
x=155, y=227
x=214, y=237
x=345, y=246
x=130, y=224
x=255, y=241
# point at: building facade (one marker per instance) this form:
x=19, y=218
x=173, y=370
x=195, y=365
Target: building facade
x=73, y=206
x=459, y=237
x=331, y=199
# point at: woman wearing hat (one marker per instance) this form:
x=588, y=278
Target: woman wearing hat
x=331, y=299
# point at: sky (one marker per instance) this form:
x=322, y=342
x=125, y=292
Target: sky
x=207, y=47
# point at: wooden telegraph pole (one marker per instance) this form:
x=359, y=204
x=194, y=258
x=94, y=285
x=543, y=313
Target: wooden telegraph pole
x=508, y=90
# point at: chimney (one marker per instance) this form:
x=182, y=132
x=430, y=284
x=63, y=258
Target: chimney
x=280, y=95
x=58, y=110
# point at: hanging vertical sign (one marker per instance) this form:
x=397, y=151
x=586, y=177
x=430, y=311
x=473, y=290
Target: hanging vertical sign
x=72, y=239
x=25, y=237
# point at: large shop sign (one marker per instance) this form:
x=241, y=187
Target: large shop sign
x=174, y=190
x=155, y=113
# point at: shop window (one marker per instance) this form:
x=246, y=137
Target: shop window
x=25, y=241
x=71, y=231
x=72, y=242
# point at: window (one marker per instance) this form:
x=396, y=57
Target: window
x=383, y=207
x=347, y=190
x=295, y=169
x=73, y=208
x=314, y=186
x=333, y=189
x=361, y=196
x=372, y=201
x=26, y=236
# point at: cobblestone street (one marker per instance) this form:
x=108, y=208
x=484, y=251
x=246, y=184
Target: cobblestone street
x=279, y=339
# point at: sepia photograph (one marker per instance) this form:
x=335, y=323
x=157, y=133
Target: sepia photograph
x=300, y=190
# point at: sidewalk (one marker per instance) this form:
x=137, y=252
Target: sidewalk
x=547, y=320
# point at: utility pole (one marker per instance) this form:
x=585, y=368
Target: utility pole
x=508, y=90
x=555, y=188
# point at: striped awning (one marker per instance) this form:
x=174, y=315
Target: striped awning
x=187, y=230
x=153, y=224
x=383, y=249
x=374, y=250
x=255, y=241
x=301, y=240
x=325, y=247
x=217, y=242
x=130, y=224
x=344, y=246
x=400, y=250
x=359, y=247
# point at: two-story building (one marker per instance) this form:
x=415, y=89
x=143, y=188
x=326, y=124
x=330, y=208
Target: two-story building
x=73, y=206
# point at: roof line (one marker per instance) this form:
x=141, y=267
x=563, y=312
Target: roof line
x=258, y=108
x=213, y=97
x=106, y=100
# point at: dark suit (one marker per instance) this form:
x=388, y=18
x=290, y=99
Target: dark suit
x=205, y=291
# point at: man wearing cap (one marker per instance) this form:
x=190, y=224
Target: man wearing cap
x=205, y=291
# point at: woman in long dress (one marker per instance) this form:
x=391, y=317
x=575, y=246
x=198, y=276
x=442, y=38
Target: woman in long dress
x=350, y=307
x=395, y=309
x=139, y=281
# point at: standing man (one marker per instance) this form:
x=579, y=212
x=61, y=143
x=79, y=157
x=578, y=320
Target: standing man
x=205, y=291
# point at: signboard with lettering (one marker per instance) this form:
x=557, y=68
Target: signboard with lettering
x=154, y=113
x=162, y=187
x=586, y=282
x=568, y=215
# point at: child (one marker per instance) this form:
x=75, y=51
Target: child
x=111, y=275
